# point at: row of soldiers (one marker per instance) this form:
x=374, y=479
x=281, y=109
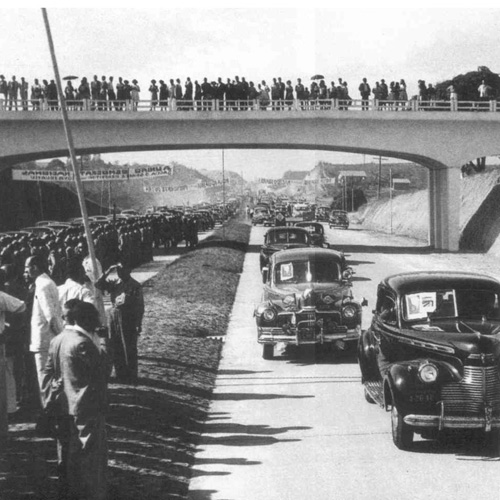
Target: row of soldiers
x=129, y=241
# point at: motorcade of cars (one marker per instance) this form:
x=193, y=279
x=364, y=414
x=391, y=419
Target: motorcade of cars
x=130, y=211
x=262, y=215
x=431, y=355
x=338, y=218
x=283, y=238
x=39, y=230
x=307, y=300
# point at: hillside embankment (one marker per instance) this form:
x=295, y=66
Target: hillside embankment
x=24, y=203
x=408, y=214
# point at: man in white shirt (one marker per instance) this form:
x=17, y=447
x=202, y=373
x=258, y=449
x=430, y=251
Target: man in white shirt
x=46, y=318
x=73, y=286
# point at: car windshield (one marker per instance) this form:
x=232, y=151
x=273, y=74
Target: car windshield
x=307, y=271
x=460, y=303
x=282, y=237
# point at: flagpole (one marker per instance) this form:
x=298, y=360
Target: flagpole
x=76, y=171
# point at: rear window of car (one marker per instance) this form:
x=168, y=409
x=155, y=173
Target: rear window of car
x=287, y=237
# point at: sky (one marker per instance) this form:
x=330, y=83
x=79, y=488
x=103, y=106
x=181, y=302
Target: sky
x=432, y=43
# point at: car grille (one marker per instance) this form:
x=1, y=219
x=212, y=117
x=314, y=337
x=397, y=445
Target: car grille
x=479, y=387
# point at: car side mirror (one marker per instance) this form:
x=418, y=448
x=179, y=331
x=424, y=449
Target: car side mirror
x=265, y=274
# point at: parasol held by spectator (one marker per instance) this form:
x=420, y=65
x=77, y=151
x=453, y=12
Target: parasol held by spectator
x=317, y=77
x=70, y=77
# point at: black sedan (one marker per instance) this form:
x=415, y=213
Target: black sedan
x=431, y=355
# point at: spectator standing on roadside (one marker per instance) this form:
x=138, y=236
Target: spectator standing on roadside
x=77, y=364
x=299, y=92
x=11, y=309
x=46, y=316
x=125, y=320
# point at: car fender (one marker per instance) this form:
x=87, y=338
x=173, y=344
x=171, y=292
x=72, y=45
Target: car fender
x=402, y=379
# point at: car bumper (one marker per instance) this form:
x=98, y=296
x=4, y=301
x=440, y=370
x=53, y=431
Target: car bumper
x=485, y=422
x=274, y=335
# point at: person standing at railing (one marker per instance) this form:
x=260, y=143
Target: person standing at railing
x=103, y=95
x=111, y=94
x=377, y=95
x=453, y=96
x=282, y=88
x=69, y=95
x=197, y=95
x=431, y=95
x=84, y=93
x=188, y=93
x=365, y=91
x=252, y=95
x=263, y=95
x=289, y=95
x=36, y=95
x=230, y=93
x=172, y=101
x=332, y=92
x=485, y=93
x=134, y=94
x=220, y=91
x=323, y=95
x=3, y=92
x=275, y=94
x=403, y=94
x=95, y=89
x=153, y=90
x=52, y=96
x=163, y=96
x=120, y=94
x=13, y=91
x=23, y=90
x=384, y=93
x=299, y=92
x=206, y=94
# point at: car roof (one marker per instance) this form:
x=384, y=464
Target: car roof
x=306, y=253
x=403, y=283
x=307, y=223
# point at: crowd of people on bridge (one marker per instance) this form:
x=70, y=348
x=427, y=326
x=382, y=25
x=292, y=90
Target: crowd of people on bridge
x=106, y=94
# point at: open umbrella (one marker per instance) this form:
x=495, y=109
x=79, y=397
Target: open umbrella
x=71, y=77
x=317, y=77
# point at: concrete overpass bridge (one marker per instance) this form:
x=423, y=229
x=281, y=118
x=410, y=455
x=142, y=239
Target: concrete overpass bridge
x=439, y=141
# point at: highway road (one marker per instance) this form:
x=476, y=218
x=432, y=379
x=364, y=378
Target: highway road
x=299, y=427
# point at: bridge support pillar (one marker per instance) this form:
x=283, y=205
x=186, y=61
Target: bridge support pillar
x=444, y=208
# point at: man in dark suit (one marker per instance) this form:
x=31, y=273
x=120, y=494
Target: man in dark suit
x=77, y=365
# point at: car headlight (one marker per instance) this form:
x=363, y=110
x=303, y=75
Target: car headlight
x=268, y=314
x=349, y=311
x=428, y=373
x=289, y=300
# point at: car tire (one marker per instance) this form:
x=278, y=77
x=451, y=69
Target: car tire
x=268, y=351
x=368, y=398
x=402, y=433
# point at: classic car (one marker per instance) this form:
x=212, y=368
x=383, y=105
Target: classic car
x=321, y=214
x=431, y=355
x=316, y=232
x=307, y=300
x=282, y=238
x=262, y=215
x=338, y=218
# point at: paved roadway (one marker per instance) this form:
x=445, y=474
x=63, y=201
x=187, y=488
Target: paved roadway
x=298, y=428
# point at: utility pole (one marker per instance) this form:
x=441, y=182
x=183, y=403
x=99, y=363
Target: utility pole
x=379, y=176
x=223, y=198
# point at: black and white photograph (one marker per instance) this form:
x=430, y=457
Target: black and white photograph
x=250, y=253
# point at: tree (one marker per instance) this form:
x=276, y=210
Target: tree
x=466, y=85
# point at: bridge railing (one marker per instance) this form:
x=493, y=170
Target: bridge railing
x=174, y=105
